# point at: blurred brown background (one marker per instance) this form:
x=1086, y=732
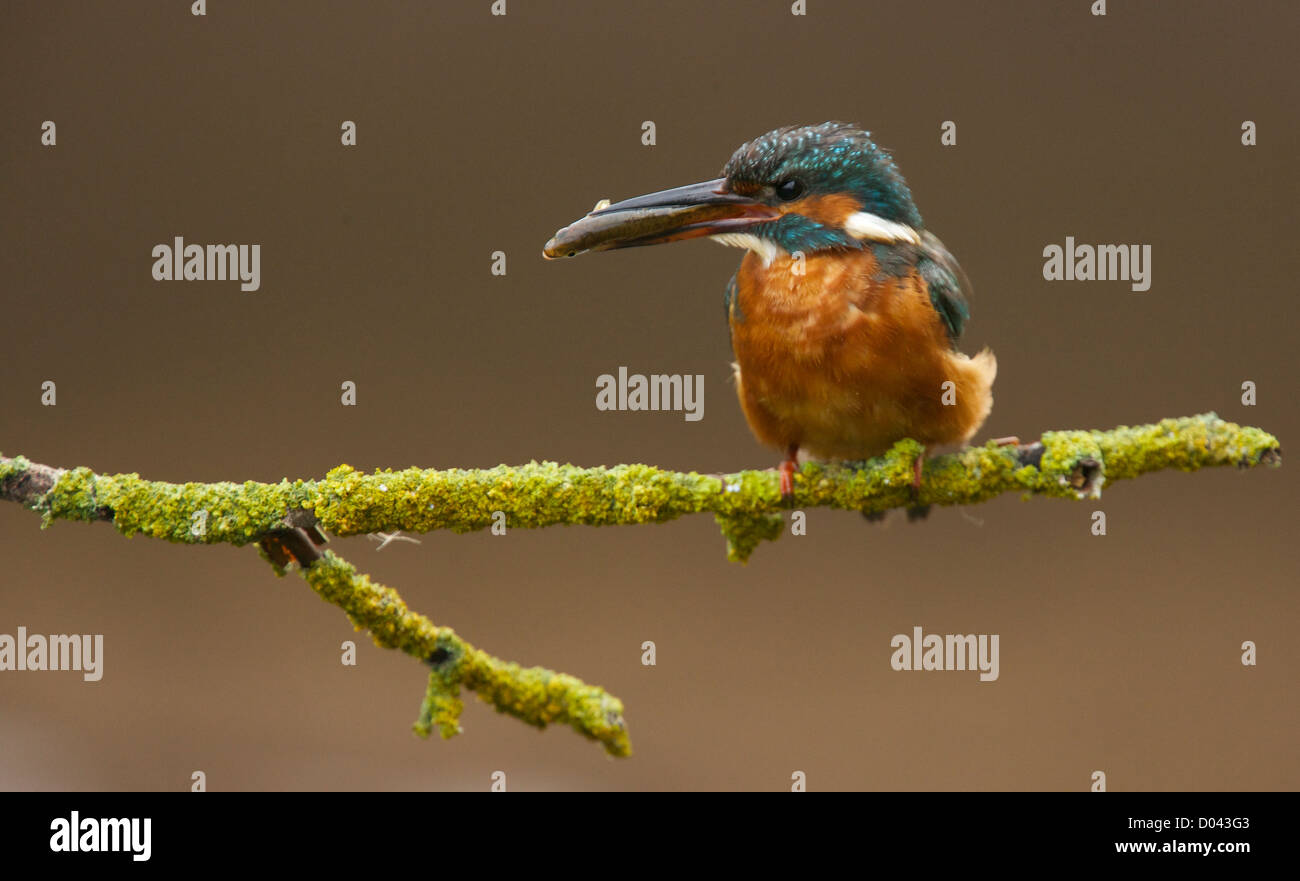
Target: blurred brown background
x=1118, y=653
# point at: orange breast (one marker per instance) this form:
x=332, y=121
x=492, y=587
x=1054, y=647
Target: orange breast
x=845, y=361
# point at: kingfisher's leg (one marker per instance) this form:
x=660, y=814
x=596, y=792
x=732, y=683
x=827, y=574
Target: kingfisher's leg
x=1011, y=441
x=917, y=512
x=787, y=469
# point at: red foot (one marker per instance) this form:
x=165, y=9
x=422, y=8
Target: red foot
x=1011, y=441
x=787, y=469
x=916, y=470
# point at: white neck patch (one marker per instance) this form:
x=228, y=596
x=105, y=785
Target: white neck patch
x=766, y=249
x=864, y=225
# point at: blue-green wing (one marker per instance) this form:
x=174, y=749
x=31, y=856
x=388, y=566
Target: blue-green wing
x=947, y=283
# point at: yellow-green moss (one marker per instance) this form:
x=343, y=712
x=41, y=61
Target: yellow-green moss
x=349, y=502
x=193, y=513
x=1073, y=464
x=534, y=695
x=10, y=468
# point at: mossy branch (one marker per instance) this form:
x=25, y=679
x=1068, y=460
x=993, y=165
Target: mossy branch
x=535, y=695
x=747, y=505
x=1064, y=464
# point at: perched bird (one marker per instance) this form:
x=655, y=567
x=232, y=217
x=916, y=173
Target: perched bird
x=845, y=312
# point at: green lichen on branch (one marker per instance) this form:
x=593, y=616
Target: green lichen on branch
x=1068, y=464
x=1063, y=464
x=195, y=513
x=350, y=502
x=534, y=695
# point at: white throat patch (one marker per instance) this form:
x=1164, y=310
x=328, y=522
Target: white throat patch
x=766, y=249
x=864, y=225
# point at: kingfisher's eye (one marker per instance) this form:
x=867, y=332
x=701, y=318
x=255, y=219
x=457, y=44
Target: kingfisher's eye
x=789, y=189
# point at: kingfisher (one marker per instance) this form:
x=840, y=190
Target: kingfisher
x=845, y=312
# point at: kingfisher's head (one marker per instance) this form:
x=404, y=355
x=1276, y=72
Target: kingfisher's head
x=800, y=188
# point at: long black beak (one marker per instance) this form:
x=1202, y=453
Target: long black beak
x=702, y=209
